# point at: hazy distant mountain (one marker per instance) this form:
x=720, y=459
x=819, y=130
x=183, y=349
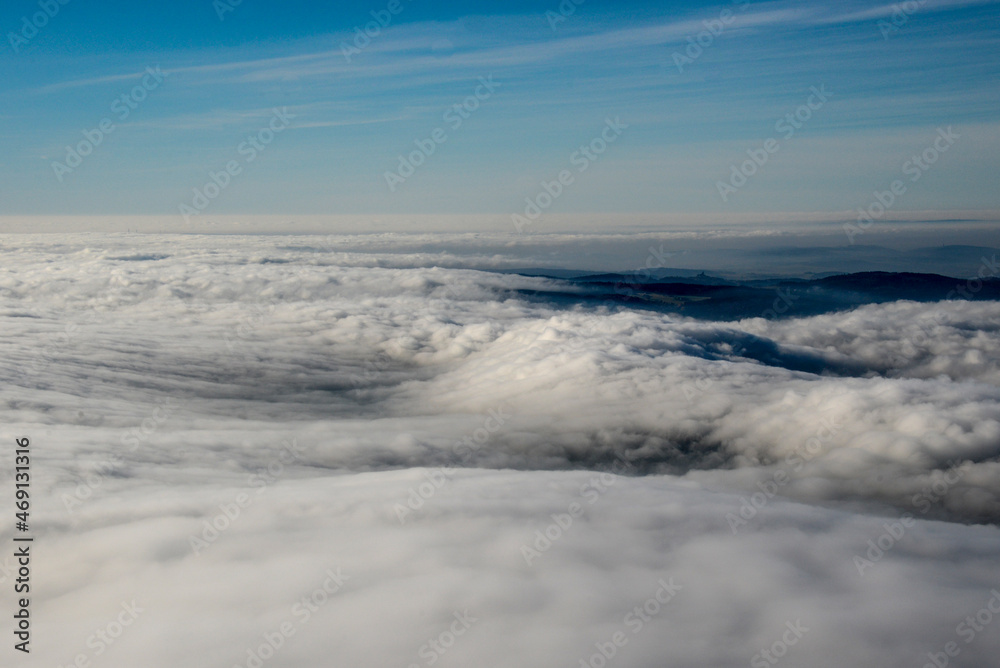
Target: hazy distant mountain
x=714, y=298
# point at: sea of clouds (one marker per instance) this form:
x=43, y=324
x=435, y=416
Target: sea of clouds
x=275, y=451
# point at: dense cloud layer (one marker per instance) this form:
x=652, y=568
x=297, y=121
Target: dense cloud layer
x=416, y=427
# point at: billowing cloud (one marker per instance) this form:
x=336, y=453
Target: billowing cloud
x=440, y=464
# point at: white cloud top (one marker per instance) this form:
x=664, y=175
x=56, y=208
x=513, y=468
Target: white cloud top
x=237, y=448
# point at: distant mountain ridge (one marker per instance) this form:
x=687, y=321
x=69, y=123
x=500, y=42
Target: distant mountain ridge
x=708, y=297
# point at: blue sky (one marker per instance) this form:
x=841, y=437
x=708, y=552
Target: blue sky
x=343, y=123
